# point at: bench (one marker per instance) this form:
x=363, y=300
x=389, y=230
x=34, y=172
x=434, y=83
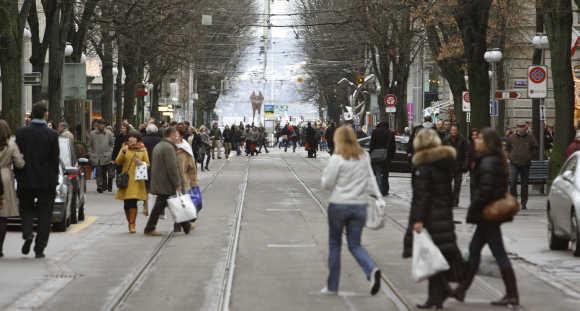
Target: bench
x=539, y=172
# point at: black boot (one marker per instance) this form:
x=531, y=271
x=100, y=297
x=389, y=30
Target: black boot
x=3, y=228
x=512, y=297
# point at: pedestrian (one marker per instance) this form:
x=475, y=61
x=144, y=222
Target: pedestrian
x=150, y=140
x=228, y=138
x=574, y=145
x=329, y=135
x=38, y=179
x=472, y=158
x=383, y=140
x=165, y=177
x=63, y=131
x=236, y=140
x=292, y=138
x=10, y=157
x=204, y=148
x=311, y=144
x=348, y=177
x=188, y=173
x=427, y=123
x=521, y=149
x=120, y=139
x=215, y=139
x=461, y=146
x=491, y=181
x=132, y=154
x=262, y=139
x=432, y=208
x=101, y=144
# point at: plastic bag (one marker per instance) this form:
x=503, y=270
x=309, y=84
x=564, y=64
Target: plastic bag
x=181, y=208
x=195, y=194
x=376, y=215
x=427, y=258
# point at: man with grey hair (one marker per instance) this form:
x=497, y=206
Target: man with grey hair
x=101, y=143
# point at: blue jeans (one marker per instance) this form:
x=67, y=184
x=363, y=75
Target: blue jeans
x=353, y=217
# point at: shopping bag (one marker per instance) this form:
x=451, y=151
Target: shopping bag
x=141, y=172
x=376, y=214
x=427, y=258
x=181, y=208
x=195, y=194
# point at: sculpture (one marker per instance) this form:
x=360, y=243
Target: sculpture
x=257, y=100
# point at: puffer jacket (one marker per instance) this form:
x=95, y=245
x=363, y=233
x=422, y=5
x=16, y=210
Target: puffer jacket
x=432, y=201
x=490, y=179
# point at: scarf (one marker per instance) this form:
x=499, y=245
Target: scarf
x=185, y=147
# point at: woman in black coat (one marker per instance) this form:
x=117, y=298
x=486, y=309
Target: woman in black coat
x=490, y=181
x=432, y=207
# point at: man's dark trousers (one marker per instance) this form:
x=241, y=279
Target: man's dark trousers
x=382, y=174
x=158, y=209
x=457, y=181
x=524, y=172
x=43, y=210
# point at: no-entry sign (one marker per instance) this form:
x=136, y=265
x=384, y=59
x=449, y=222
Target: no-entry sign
x=390, y=103
x=466, y=102
x=537, y=82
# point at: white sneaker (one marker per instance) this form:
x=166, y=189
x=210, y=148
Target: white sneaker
x=327, y=292
x=375, y=281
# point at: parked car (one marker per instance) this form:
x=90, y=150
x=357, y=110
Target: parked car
x=563, y=207
x=400, y=163
x=69, y=202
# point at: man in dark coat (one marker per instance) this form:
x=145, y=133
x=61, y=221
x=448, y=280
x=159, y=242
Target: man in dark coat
x=521, y=148
x=38, y=179
x=382, y=139
x=461, y=146
x=329, y=135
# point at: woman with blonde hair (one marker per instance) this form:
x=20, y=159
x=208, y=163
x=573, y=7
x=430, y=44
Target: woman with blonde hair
x=10, y=157
x=348, y=175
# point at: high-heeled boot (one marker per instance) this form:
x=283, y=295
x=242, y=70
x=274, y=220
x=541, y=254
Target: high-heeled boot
x=3, y=228
x=132, y=220
x=512, y=297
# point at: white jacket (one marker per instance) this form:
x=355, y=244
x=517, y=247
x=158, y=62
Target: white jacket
x=351, y=181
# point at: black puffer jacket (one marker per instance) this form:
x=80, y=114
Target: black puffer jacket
x=490, y=179
x=433, y=198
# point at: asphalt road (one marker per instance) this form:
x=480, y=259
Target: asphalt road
x=261, y=244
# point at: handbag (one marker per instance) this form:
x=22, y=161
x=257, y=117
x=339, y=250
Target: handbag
x=376, y=208
x=122, y=179
x=195, y=194
x=379, y=155
x=181, y=208
x=141, y=172
x=427, y=258
x=502, y=209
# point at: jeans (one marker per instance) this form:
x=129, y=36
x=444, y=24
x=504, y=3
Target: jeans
x=288, y=142
x=382, y=176
x=42, y=209
x=524, y=172
x=353, y=217
x=457, y=180
x=158, y=209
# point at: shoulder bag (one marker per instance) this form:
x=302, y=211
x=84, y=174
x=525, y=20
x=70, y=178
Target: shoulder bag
x=502, y=209
x=122, y=179
x=379, y=155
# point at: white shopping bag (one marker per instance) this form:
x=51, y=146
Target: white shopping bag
x=427, y=258
x=182, y=208
x=141, y=172
x=376, y=214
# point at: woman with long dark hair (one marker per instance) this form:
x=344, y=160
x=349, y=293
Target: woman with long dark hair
x=10, y=157
x=490, y=180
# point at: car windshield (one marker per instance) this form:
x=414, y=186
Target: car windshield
x=65, y=152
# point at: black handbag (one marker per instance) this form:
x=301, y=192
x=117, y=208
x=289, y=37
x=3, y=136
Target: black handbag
x=122, y=179
x=379, y=155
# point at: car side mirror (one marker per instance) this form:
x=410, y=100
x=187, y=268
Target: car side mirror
x=83, y=161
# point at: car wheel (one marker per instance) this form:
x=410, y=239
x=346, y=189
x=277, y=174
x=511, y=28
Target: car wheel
x=576, y=246
x=556, y=243
x=63, y=225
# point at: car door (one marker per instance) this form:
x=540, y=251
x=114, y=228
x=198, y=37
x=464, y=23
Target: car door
x=564, y=189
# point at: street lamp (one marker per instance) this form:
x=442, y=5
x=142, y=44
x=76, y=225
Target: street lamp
x=541, y=42
x=26, y=35
x=68, y=50
x=493, y=57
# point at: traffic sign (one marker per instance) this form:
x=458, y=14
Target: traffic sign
x=542, y=112
x=390, y=103
x=507, y=95
x=468, y=117
x=493, y=108
x=466, y=101
x=537, y=82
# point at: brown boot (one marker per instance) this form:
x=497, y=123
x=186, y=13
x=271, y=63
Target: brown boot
x=512, y=297
x=132, y=220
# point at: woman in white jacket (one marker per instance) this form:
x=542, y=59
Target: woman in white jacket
x=348, y=176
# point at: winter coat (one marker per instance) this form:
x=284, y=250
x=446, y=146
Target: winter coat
x=461, y=146
x=101, y=144
x=136, y=189
x=490, y=180
x=383, y=138
x=227, y=135
x=187, y=169
x=521, y=149
x=432, y=201
x=40, y=150
x=9, y=156
x=119, y=141
x=165, y=176
x=150, y=141
x=573, y=147
x=215, y=134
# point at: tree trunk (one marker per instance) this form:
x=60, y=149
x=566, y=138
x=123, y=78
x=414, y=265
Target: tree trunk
x=119, y=95
x=472, y=17
x=108, y=81
x=155, y=95
x=129, y=91
x=11, y=63
x=558, y=14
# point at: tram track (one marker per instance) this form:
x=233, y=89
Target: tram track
x=130, y=285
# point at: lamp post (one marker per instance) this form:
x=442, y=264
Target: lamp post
x=493, y=57
x=26, y=35
x=541, y=42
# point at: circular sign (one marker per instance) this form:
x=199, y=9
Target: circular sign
x=537, y=75
x=466, y=97
x=390, y=100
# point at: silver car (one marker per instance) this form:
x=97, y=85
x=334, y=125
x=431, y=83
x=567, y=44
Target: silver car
x=564, y=207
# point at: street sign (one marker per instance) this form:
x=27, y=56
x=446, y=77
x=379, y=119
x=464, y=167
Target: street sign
x=466, y=102
x=493, y=108
x=507, y=95
x=468, y=117
x=542, y=112
x=391, y=103
x=537, y=82
x=32, y=78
